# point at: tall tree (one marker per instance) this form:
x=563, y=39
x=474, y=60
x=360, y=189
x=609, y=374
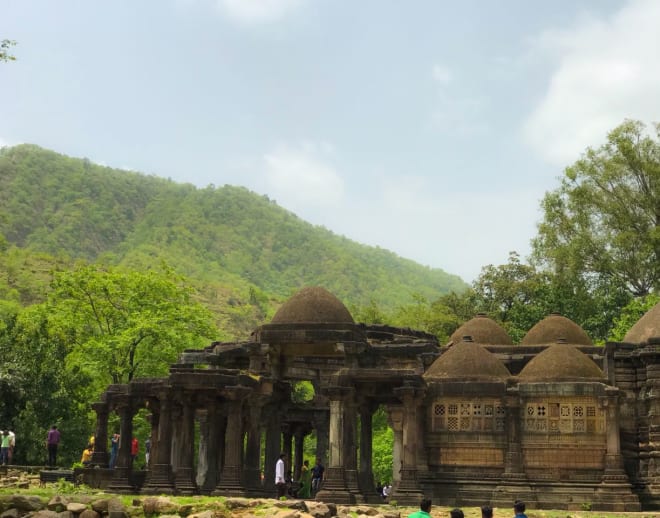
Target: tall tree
x=125, y=324
x=604, y=219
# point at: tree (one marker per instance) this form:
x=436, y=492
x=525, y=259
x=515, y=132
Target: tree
x=604, y=219
x=4, y=50
x=125, y=324
x=630, y=314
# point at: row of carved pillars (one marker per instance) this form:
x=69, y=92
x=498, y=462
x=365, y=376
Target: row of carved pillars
x=224, y=466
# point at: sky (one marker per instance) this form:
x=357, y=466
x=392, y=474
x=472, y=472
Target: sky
x=429, y=128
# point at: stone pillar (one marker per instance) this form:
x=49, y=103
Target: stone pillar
x=273, y=449
x=215, y=446
x=230, y=483
x=184, y=474
x=287, y=438
x=408, y=491
x=321, y=422
x=100, y=455
x=395, y=420
x=350, y=442
x=121, y=481
x=160, y=477
x=155, y=419
x=334, y=485
x=365, y=474
x=252, y=471
x=514, y=484
x=203, y=448
x=298, y=443
x=153, y=435
x=513, y=466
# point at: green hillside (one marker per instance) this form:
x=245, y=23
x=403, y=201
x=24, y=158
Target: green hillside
x=240, y=249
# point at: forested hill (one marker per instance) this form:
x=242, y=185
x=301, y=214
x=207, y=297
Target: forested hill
x=227, y=237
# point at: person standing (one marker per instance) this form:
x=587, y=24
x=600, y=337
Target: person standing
x=317, y=475
x=280, y=481
x=486, y=511
x=53, y=441
x=424, y=509
x=12, y=445
x=114, y=449
x=519, y=509
x=4, y=448
x=134, y=450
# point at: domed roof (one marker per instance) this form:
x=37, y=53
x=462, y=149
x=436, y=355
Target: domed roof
x=646, y=327
x=556, y=327
x=483, y=330
x=313, y=305
x=561, y=362
x=467, y=361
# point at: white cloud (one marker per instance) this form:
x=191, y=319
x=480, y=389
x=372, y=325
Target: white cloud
x=607, y=71
x=301, y=178
x=257, y=11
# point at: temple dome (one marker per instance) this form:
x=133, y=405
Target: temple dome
x=556, y=327
x=466, y=361
x=483, y=330
x=313, y=305
x=561, y=362
x=646, y=327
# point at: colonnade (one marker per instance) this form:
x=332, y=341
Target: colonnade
x=231, y=425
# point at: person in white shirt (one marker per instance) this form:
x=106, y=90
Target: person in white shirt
x=280, y=481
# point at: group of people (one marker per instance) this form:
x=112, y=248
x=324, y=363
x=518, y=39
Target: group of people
x=486, y=510
x=7, y=444
x=308, y=483
x=115, y=442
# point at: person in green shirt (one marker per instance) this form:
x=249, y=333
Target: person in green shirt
x=4, y=447
x=424, y=509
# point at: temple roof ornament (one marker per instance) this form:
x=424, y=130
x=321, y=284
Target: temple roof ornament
x=561, y=362
x=466, y=361
x=483, y=330
x=313, y=305
x=646, y=327
x=553, y=328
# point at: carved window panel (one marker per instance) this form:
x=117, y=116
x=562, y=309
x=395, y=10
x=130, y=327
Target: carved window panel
x=457, y=414
x=577, y=415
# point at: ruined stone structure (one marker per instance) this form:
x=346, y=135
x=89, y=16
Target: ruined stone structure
x=555, y=420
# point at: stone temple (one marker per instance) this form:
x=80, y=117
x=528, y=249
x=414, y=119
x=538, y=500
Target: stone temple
x=554, y=420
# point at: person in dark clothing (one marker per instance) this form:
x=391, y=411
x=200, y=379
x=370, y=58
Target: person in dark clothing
x=317, y=475
x=52, y=442
x=519, y=509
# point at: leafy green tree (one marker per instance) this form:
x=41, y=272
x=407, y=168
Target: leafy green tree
x=604, y=219
x=630, y=314
x=125, y=324
x=40, y=392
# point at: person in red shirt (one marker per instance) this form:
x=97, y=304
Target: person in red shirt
x=134, y=449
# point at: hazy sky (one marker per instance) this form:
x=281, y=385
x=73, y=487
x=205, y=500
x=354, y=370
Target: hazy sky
x=429, y=128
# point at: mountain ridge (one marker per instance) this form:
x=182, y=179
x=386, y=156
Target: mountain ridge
x=227, y=236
